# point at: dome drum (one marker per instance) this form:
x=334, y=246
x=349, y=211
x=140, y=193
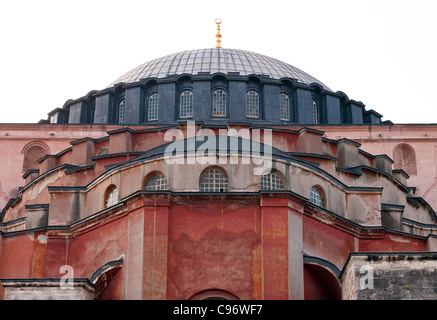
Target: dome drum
x=102, y=107
x=217, y=85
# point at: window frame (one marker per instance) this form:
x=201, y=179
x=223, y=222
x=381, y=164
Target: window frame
x=181, y=101
x=156, y=187
x=315, y=111
x=155, y=106
x=271, y=182
x=213, y=180
x=249, y=107
x=122, y=115
x=224, y=105
x=109, y=193
x=281, y=106
x=318, y=191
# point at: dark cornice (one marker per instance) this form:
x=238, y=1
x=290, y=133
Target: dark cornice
x=376, y=256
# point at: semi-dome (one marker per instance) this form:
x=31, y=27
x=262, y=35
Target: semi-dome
x=213, y=60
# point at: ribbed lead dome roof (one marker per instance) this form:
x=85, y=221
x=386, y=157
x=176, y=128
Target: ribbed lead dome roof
x=214, y=60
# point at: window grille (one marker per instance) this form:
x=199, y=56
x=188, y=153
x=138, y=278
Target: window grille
x=214, y=180
x=315, y=113
x=219, y=103
x=156, y=182
x=285, y=107
x=186, y=104
x=111, y=197
x=153, y=107
x=317, y=197
x=121, y=111
x=271, y=181
x=252, y=104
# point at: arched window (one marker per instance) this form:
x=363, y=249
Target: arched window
x=271, y=181
x=252, y=104
x=121, y=111
x=186, y=104
x=219, y=103
x=285, y=106
x=318, y=197
x=214, y=180
x=315, y=112
x=111, y=196
x=156, y=182
x=153, y=107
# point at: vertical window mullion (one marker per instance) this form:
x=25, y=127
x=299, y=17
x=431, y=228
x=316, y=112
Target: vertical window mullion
x=315, y=112
x=121, y=111
x=214, y=180
x=186, y=104
x=252, y=104
x=271, y=181
x=285, y=107
x=156, y=182
x=219, y=103
x=153, y=107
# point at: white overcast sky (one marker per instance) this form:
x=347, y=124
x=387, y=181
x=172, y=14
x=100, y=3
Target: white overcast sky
x=383, y=53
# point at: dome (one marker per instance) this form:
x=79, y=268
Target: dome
x=215, y=60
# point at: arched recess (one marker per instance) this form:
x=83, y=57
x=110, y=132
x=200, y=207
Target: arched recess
x=150, y=112
x=254, y=98
x=107, y=281
x=404, y=158
x=155, y=180
x=214, y=294
x=274, y=181
x=214, y=179
x=318, y=109
x=318, y=196
x=184, y=97
x=321, y=280
x=32, y=152
x=288, y=87
x=111, y=196
x=219, y=96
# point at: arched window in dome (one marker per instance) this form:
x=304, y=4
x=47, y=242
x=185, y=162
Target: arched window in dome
x=252, y=104
x=317, y=196
x=153, y=107
x=315, y=114
x=186, y=104
x=284, y=101
x=219, y=103
x=214, y=180
x=121, y=111
x=271, y=181
x=156, y=182
x=111, y=196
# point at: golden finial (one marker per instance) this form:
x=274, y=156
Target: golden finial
x=218, y=21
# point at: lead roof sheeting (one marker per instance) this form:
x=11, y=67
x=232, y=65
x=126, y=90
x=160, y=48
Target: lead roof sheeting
x=215, y=60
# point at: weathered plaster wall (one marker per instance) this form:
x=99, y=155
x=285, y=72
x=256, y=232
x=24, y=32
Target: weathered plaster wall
x=391, y=277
